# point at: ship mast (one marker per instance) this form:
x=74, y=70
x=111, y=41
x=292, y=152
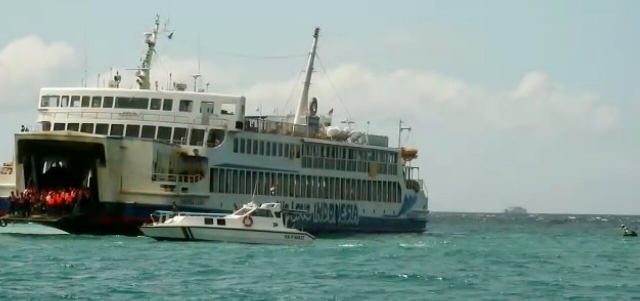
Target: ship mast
x=303, y=105
x=143, y=73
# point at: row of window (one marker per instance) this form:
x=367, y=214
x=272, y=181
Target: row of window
x=350, y=165
x=349, y=153
x=319, y=156
x=268, y=148
x=265, y=148
x=237, y=181
x=256, y=213
x=322, y=156
x=136, y=103
x=178, y=135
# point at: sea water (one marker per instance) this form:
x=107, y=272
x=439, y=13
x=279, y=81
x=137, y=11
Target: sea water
x=461, y=257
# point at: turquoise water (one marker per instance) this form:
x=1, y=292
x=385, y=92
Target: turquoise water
x=462, y=257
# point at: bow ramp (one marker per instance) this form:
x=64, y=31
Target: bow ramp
x=57, y=173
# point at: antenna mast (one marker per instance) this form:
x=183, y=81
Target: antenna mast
x=143, y=72
x=303, y=104
x=84, y=46
x=400, y=129
x=197, y=75
x=199, y=54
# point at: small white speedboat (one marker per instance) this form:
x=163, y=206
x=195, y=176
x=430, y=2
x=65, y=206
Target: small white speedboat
x=252, y=224
x=633, y=232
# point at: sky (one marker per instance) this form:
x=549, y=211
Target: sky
x=511, y=103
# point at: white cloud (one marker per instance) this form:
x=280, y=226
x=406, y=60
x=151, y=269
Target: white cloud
x=26, y=65
x=29, y=63
x=533, y=84
x=475, y=156
x=534, y=104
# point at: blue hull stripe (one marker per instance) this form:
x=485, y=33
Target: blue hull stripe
x=365, y=224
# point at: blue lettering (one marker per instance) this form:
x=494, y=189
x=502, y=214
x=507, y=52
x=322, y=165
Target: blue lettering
x=323, y=213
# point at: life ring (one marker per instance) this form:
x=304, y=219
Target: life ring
x=3, y=223
x=247, y=221
x=313, y=107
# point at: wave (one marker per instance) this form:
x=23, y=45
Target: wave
x=532, y=218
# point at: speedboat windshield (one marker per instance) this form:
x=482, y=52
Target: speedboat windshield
x=242, y=211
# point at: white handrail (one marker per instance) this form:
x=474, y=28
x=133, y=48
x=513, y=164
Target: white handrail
x=134, y=116
x=176, y=178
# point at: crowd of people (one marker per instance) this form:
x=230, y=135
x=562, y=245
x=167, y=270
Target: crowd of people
x=46, y=201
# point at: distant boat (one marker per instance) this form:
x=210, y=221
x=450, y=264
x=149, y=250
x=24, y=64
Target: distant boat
x=629, y=232
x=515, y=210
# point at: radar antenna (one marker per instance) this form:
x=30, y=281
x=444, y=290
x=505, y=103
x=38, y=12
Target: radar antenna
x=348, y=122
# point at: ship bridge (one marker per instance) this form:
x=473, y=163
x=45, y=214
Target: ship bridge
x=178, y=117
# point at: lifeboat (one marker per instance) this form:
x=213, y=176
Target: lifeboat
x=408, y=153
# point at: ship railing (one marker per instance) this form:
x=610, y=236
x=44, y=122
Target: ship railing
x=211, y=121
x=181, y=141
x=423, y=186
x=31, y=128
x=413, y=185
x=416, y=184
x=278, y=128
x=175, y=178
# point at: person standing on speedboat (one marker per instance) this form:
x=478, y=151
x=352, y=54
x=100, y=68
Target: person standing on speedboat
x=628, y=232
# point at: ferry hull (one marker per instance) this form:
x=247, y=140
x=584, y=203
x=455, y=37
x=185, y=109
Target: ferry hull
x=4, y=207
x=126, y=219
x=365, y=224
x=180, y=233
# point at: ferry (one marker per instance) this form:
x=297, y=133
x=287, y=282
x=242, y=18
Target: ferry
x=141, y=149
x=251, y=224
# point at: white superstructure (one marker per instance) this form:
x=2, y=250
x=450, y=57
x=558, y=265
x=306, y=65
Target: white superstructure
x=141, y=149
